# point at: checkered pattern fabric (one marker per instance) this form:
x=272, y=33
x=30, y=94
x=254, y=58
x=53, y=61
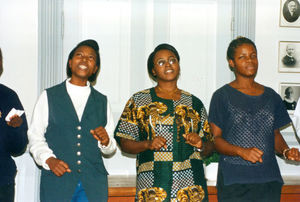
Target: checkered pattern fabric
x=150, y=116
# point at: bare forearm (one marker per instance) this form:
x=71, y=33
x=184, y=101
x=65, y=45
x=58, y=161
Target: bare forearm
x=134, y=147
x=280, y=143
x=223, y=147
x=209, y=147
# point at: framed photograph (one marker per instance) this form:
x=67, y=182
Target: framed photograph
x=289, y=13
x=290, y=93
x=289, y=56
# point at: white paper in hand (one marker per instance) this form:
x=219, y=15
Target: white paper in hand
x=12, y=112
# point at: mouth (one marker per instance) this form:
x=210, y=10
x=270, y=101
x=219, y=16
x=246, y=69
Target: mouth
x=169, y=71
x=83, y=67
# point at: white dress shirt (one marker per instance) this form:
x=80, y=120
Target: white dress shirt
x=296, y=118
x=36, y=134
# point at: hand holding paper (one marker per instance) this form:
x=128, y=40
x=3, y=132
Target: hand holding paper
x=13, y=118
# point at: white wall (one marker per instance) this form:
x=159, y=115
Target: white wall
x=18, y=41
x=268, y=35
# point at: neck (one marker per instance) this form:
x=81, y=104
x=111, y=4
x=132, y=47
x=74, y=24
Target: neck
x=244, y=83
x=78, y=82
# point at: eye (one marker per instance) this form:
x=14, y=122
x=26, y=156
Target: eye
x=172, y=61
x=91, y=57
x=253, y=56
x=161, y=62
x=78, y=54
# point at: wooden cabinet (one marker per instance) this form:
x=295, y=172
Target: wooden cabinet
x=290, y=193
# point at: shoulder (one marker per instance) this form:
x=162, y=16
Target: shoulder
x=195, y=99
x=221, y=92
x=142, y=92
x=7, y=92
x=98, y=94
x=272, y=94
x=55, y=87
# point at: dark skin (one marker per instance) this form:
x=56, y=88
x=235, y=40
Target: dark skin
x=167, y=76
x=245, y=65
x=15, y=121
x=83, y=65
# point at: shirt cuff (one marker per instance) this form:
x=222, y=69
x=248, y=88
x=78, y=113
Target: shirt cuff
x=44, y=158
x=110, y=148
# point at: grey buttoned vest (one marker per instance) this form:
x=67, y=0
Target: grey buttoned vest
x=71, y=141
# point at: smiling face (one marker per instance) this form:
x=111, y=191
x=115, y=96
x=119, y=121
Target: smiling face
x=166, y=66
x=82, y=65
x=245, y=61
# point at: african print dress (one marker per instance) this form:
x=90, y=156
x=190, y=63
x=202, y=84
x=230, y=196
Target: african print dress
x=175, y=173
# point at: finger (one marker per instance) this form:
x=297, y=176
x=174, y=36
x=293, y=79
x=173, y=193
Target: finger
x=260, y=152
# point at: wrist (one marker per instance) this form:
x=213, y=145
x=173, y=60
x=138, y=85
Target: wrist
x=284, y=153
x=201, y=148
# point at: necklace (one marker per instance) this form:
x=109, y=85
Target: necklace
x=169, y=93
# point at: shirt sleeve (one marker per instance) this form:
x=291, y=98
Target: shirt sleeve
x=282, y=117
x=296, y=117
x=111, y=147
x=36, y=134
x=216, y=110
x=128, y=127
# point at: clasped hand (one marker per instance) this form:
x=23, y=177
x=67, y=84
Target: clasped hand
x=192, y=139
x=101, y=135
x=293, y=154
x=15, y=121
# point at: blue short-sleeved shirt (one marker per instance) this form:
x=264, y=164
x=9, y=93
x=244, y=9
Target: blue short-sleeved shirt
x=248, y=121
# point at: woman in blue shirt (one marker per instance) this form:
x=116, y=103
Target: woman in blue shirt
x=245, y=118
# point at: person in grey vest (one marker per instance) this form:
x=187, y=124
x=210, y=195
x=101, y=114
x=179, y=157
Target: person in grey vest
x=71, y=128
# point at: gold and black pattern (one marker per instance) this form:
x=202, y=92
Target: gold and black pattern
x=142, y=98
x=125, y=136
x=144, y=180
x=163, y=156
x=191, y=194
x=152, y=194
x=146, y=167
x=129, y=128
x=186, y=117
x=196, y=155
x=181, y=179
x=129, y=112
x=186, y=99
x=150, y=115
x=178, y=166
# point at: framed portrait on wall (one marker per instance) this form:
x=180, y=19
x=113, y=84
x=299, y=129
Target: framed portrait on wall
x=289, y=56
x=290, y=93
x=289, y=13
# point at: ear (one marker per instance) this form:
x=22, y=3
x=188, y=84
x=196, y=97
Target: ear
x=153, y=72
x=95, y=70
x=231, y=63
x=70, y=63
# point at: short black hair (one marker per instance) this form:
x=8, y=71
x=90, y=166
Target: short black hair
x=234, y=44
x=1, y=62
x=150, y=62
x=94, y=45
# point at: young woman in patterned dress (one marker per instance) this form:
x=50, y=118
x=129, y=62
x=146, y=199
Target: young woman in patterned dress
x=168, y=130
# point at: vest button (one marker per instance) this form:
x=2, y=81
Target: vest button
x=78, y=153
x=78, y=162
x=78, y=127
x=78, y=144
x=79, y=170
x=78, y=136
